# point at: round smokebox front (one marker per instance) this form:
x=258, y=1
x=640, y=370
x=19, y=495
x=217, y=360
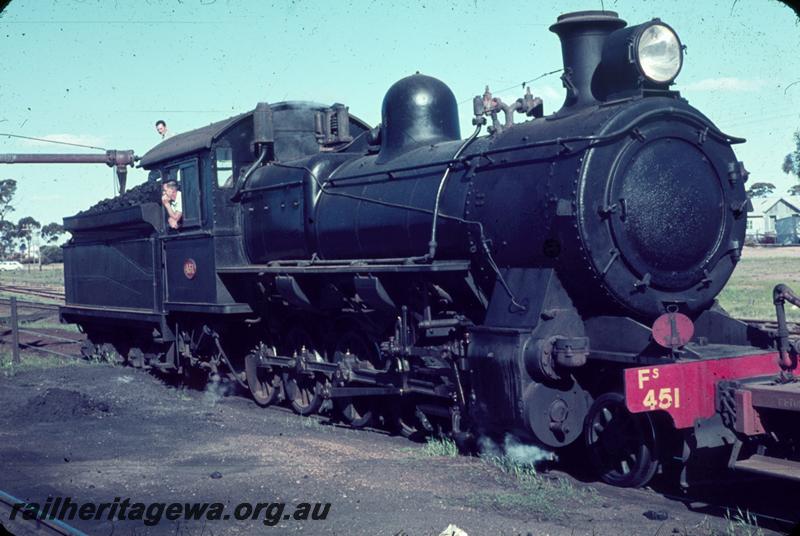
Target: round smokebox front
x=661, y=216
x=671, y=213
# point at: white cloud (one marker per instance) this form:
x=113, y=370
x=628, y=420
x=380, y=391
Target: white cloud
x=80, y=139
x=724, y=84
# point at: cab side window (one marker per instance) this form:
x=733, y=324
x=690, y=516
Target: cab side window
x=223, y=157
x=190, y=188
x=188, y=181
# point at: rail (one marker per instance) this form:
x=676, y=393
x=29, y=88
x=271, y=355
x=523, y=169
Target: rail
x=31, y=290
x=771, y=325
x=32, y=305
x=40, y=523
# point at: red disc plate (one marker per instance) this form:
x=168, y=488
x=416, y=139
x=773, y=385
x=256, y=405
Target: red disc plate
x=672, y=330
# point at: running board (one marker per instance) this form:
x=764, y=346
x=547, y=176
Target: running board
x=766, y=465
x=770, y=395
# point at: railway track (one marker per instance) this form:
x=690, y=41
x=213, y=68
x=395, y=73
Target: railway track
x=31, y=305
x=27, y=311
x=38, y=291
x=21, y=526
x=772, y=325
x=37, y=340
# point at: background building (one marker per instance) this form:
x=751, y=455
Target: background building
x=762, y=222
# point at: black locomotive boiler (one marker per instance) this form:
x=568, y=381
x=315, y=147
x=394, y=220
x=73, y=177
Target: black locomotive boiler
x=554, y=279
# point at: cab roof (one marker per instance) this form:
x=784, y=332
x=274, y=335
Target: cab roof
x=188, y=142
x=203, y=138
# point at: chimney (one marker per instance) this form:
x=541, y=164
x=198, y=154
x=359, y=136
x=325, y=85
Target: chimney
x=582, y=35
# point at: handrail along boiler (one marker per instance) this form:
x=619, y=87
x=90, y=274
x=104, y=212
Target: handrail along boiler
x=554, y=280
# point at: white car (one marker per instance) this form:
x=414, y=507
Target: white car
x=10, y=265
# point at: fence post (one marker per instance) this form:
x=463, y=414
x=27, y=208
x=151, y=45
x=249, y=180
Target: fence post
x=14, y=332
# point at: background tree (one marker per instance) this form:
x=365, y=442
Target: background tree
x=794, y=190
x=788, y=164
x=791, y=162
x=8, y=232
x=52, y=232
x=52, y=254
x=27, y=225
x=760, y=189
x=8, y=187
x=24, y=233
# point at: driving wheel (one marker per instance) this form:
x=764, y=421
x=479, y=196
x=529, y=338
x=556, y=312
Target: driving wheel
x=263, y=382
x=621, y=444
x=303, y=389
x=358, y=410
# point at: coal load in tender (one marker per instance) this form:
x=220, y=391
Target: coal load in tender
x=148, y=192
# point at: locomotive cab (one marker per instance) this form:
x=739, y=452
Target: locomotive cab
x=203, y=163
x=212, y=166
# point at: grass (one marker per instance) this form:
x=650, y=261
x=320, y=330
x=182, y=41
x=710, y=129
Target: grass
x=509, y=466
x=33, y=362
x=439, y=447
x=50, y=324
x=738, y=524
x=182, y=395
x=51, y=274
x=28, y=297
x=315, y=423
x=531, y=491
x=299, y=421
x=742, y=524
x=748, y=294
x=528, y=490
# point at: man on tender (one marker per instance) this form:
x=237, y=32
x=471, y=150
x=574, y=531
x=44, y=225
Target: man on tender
x=171, y=199
x=161, y=128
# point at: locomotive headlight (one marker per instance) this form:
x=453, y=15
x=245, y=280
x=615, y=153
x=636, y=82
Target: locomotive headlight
x=659, y=53
x=648, y=54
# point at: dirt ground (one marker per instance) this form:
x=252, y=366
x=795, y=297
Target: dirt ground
x=94, y=432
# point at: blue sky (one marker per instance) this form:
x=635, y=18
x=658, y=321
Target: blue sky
x=101, y=73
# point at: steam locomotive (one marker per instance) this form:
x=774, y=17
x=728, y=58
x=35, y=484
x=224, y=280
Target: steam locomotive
x=554, y=279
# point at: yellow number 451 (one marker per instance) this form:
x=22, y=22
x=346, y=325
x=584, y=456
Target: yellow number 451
x=667, y=397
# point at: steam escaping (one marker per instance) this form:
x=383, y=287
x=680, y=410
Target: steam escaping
x=515, y=451
x=216, y=389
